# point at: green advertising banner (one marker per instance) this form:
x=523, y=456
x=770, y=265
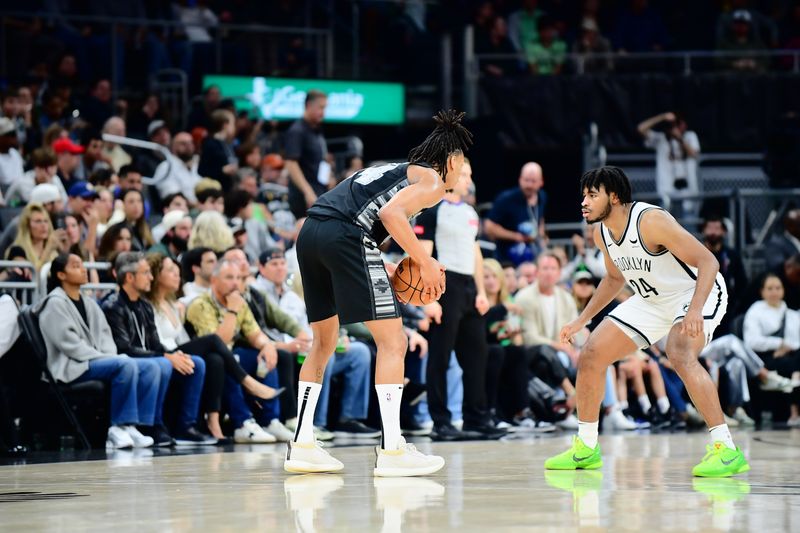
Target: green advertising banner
x=353, y=102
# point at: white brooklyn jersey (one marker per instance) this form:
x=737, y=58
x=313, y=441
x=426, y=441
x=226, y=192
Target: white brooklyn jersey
x=656, y=277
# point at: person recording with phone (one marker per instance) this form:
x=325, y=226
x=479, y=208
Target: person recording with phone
x=677, y=154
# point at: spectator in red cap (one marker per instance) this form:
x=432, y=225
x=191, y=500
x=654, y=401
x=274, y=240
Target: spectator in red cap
x=68, y=158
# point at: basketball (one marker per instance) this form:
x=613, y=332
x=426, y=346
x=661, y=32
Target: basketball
x=407, y=283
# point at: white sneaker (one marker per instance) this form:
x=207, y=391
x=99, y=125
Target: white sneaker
x=695, y=418
x=405, y=461
x=118, y=438
x=252, y=433
x=309, y=458
x=139, y=440
x=617, y=420
x=571, y=423
x=741, y=416
x=279, y=431
x=793, y=422
x=529, y=425
x=322, y=434
x=776, y=382
x=732, y=422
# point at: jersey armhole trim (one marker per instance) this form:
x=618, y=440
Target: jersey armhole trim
x=639, y=232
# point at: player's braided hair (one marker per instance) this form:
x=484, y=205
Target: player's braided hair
x=447, y=138
x=612, y=178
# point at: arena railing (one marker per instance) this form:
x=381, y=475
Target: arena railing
x=321, y=40
x=24, y=292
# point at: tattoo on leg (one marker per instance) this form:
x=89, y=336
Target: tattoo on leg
x=319, y=372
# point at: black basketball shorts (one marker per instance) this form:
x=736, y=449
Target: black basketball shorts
x=343, y=273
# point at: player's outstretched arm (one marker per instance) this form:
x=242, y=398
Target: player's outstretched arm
x=426, y=190
x=606, y=291
x=660, y=229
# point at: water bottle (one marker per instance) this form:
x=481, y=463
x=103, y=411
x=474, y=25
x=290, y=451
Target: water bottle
x=341, y=346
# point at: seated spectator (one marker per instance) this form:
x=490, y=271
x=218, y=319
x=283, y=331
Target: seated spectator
x=113, y=152
x=82, y=349
x=523, y=25
x=592, y=47
x=116, y=239
x=546, y=56
x=516, y=220
x=11, y=163
x=507, y=372
x=148, y=160
x=96, y=108
x=211, y=198
x=249, y=156
x=67, y=160
x=352, y=359
x=218, y=160
x=178, y=172
x=105, y=208
x=510, y=277
x=545, y=309
x=36, y=237
x=763, y=27
x=93, y=158
x=224, y=312
x=741, y=38
x=197, y=265
x=47, y=196
x=742, y=366
x=133, y=327
x=133, y=206
x=730, y=266
x=773, y=332
x=220, y=361
x=43, y=171
x=211, y=231
x=633, y=369
x=176, y=228
x=496, y=42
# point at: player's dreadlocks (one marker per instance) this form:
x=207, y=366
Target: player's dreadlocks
x=612, y=178
x=448, y=137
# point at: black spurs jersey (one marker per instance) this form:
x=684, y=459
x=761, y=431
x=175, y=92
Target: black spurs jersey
x=358, y=198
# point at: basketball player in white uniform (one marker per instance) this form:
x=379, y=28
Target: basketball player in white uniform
x=679, y=294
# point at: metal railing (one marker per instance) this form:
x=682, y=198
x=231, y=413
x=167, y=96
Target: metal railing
x=33, y=290
x=320, y=40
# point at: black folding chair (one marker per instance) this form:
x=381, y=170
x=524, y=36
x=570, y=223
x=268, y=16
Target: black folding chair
x=29, y=328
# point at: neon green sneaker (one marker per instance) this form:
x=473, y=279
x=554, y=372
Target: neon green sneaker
x=721, y=461
x=579, y=456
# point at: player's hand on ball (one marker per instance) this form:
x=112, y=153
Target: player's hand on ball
x=569, y=331
x=692, y=324
x=432, y=279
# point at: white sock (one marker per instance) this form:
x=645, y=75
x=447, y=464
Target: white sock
x=623, y=405
x=307, y=396
x=644, y=401
x=587, y=432
x=663, y=404
x=722, y=434
x=389, y=397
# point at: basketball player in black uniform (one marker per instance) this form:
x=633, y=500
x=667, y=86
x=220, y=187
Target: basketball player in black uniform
x=345, y=281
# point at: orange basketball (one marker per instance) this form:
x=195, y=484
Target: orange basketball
x=407, y=283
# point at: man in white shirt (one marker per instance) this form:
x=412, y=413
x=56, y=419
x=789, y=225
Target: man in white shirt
x=11, y=163
x=178, y=172
x=677, y=152
x=587, y=254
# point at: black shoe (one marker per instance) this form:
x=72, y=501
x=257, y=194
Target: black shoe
x=355, y=429
x=161, y=437
x=413, y=393
x=14, y=451
x=448, y=434
x=411, y=428
x=488, y=431
x=658, y=420
x=192, y=437
x=677, y=423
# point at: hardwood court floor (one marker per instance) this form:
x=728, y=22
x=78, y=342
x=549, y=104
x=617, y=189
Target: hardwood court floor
x=645, y=485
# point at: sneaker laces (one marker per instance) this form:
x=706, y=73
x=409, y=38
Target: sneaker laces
x=713, y=450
